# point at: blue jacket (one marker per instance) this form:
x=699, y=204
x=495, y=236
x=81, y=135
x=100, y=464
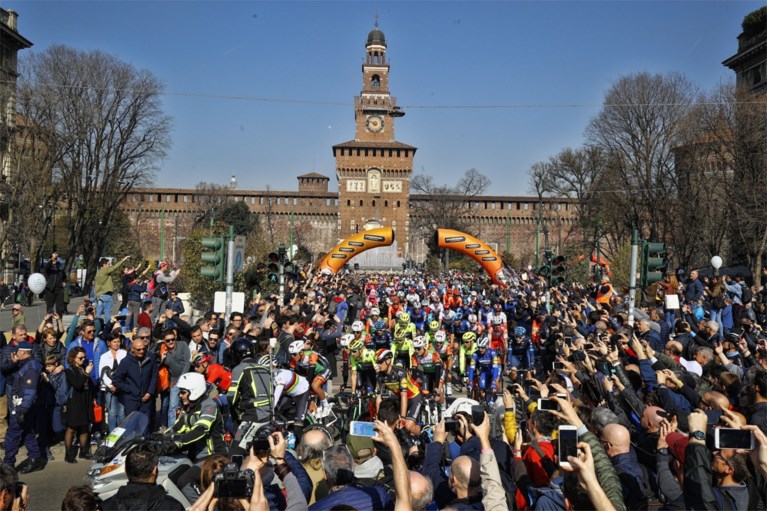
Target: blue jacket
x=135, y=290
x=93, y=351
x=693, y=291
x=134, y=379
x=358, y=497
x=635, y=491
x=25, y=381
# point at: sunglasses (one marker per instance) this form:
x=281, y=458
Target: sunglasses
x=89, y=331
x=171, y=339
x=79, y=358
x=139, y=349
x=142, y=337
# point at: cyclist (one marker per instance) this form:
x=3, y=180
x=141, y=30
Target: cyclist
x=467, y=350
x=427, y=365
x=396, y=380
x=394, y=309
x=521, y=352
x=445, y=352
x=314, y=367
x=485, y=362
x=372, y=320
x=499, y=338
x=343, y=342
x=486, y=312
x=498, y=313
x=418, y=316
x=402, y=345
x=474, y=325
x=363, y=363
x=293, y=389
x=359, y=333
x=433, y=329
x=381, y=338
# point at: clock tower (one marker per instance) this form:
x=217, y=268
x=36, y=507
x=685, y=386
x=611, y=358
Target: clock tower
x=374, y=170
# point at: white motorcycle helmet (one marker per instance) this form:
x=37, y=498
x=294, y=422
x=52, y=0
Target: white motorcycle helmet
x=296, y=347
x=194, y=383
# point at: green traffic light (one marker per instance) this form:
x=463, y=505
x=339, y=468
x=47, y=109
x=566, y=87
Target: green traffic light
x=213, y=261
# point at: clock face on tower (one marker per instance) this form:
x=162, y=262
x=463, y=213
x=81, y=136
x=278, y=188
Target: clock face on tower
x=375, y=123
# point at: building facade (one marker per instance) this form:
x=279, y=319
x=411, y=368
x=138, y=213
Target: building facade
x=373, y=172
x=750, y=62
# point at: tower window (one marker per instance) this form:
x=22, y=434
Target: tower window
x=386, y=203
x=375, y=82
x=348, y=203
x=374, y=202
x=361, y=203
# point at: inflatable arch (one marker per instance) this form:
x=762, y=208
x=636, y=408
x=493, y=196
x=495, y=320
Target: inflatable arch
x=350, y=247
x=477, y=250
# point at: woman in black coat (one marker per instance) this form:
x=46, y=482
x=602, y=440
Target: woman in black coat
x=79, y=407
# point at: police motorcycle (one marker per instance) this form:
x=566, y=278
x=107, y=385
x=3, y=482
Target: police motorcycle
x=107, y=473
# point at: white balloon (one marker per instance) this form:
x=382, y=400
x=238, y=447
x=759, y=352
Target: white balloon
x=36, y=283
x=716, y=262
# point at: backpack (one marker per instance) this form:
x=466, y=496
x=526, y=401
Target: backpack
x=332, y=306
x=157, y=289
x=746, y=295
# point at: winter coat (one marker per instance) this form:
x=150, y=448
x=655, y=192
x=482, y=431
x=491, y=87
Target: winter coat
x=141, y=496
x=134, y=379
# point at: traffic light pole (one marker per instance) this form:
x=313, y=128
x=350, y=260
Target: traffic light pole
x=633, y=276
x=229, y=273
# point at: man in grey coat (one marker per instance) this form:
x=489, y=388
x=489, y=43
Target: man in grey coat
x=176, y=358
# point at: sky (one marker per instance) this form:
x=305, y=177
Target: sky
x=263, y=90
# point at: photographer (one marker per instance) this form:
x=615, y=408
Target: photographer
x=54, y=278
x=142, y=490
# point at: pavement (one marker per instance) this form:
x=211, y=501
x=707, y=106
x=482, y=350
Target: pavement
x=35, y=313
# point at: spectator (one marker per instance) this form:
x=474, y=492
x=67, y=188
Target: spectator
x=80, y=498
x=52, y=346
x=17, y=315
x=175, y=304
x=159, y=288
x=366, y=464
x=142, y=490
x=108, y=363
x=314, y=442
x=617, y=440
x=79, y=407
x=136, y=377
x=14, y=495
x=145, y=317
x=105, y=287
x=693, y=291
x=53, y=269
x=175, y=356
x=338, y=467
x=93, y=346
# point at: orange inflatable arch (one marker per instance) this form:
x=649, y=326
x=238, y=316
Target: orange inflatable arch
x=350, y=247
x=477, y=250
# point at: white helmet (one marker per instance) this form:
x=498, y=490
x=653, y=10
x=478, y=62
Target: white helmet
x=346, y=339
x=472, y=318
x=440, y=336
x=296, y=347
x=194, y=383
x=419, y=342
x=375, y=311
x=357, y=326
x=483, y=342
x=497, y=320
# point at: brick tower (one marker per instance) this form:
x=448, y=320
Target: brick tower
x=373, y=170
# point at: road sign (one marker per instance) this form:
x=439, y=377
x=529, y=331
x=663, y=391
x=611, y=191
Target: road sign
x=239, y=252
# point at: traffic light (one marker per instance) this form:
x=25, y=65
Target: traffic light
x=273, y=268
x=654, y=263
x=215, y=260
x=558, y=270
x=545, y=269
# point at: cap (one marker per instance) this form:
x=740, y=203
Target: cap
x=24, y=345
x=361, y=447
x=677, y=443
x=163, y=264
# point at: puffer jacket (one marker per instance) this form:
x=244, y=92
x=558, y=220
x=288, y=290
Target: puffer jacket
x=606, y=474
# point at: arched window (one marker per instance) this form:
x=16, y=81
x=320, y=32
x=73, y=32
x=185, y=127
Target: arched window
x=375, y=82
x=361, y=203
x=349, y=203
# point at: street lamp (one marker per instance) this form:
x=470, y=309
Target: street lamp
x=716, y=262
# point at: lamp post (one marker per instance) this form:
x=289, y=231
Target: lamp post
x=716, y=262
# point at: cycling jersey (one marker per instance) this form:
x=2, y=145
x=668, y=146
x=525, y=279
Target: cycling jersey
x=464, y=353
x=427, y=361
x=402, y=350
x=398, y=381
x=486, y=363
x=217, y=375
x=445, y=353
x=498, y=337
x=381, y=339
x=310, y=365
x=402, y=332
x=365, y=362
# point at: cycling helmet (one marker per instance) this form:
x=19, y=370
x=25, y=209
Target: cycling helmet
x=457, y=316
x=346, y=339
x=296, y=347
x=497, y=320
x=472, y=318
x=497, y=306
x=375, y=311
x=486, y=303
x=439, y=337
x=264, y=361
x=419, y=342
x=483, y=342
x=194, y=383
x=519, y=331
x=356, y=345
x=201, y=358
x=383, y=355
x=404, y=318
x=240, y=349
x=357, y=326
x=380, y=324
x=434, y=326
x=469, y=337
x=416, y=304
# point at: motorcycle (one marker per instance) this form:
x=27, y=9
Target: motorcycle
x=107, y=474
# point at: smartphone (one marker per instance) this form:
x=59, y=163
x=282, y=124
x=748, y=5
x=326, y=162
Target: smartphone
x=569, y=341
x=477, y=414
x=713, y=416
x=548, y=405
x=558, y=366
x=728, y=438
x=588, y=346
x=577, y=356
x=606, y=368
x=568, y=443
x=360, y=428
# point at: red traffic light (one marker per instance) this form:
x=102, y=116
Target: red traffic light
x=273, y=257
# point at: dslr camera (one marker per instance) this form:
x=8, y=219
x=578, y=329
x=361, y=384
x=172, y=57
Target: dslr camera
x=234, y=483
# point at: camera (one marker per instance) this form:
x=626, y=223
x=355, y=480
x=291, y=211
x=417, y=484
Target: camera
x=451, y=425
x=234, y=483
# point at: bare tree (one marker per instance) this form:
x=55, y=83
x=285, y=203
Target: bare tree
x=637, y=130
x=101, y=119
x=209, y=197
